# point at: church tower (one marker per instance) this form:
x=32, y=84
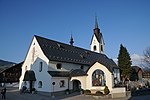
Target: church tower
x=97, y=42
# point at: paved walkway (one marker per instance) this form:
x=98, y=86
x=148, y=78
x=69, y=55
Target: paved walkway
x=144, y=97
x=13, y=94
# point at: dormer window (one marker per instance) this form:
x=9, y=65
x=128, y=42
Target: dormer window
x=58, y=66
x=94, y=48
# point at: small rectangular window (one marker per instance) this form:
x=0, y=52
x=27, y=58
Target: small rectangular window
x=40, y=67
x=58, y=66
x=62, y=83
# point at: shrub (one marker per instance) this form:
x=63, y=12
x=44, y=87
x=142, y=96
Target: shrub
x=87, y=92
x=98, y=93
x=82, y=91
x=106, y=90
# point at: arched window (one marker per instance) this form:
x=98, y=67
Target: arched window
x=94, y=48
x=102, y=48
x=40, y=84
x=98, y=78
x=40, y=66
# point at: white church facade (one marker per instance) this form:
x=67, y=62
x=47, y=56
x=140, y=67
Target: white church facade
x=52, y=66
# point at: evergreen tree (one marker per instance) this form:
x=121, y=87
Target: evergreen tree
x=124, y=62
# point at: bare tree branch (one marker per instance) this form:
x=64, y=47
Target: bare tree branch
x=147, y=56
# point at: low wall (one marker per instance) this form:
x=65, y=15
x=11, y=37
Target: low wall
x=58, y=93
x=118, y=92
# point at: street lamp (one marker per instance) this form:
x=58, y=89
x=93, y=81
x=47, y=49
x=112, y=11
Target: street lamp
x=53, y=90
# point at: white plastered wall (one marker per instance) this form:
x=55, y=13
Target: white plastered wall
x=57, y=87
x=65, y=66
x=82, y=80
x=95, y=43
x=108, y=75
x=33, y=64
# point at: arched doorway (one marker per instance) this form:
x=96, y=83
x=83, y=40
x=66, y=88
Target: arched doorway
x=76, y=85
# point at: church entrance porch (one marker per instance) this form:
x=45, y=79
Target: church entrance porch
x=78, y=83
x=76, y=86
x=29, y=77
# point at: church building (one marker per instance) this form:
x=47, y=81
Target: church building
x=52, y=66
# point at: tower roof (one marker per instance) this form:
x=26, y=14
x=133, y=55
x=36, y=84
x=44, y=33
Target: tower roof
x=96, y=22
x=97, y=30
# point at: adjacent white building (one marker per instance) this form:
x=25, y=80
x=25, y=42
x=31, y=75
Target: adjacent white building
x=52, y=66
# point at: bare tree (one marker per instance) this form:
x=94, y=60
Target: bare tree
x=147, y=56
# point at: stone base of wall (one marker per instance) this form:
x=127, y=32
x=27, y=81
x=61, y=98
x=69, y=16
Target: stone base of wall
x=118, y=92
x=53, y=93
x=44, y=93
x=93, y=91
x=118, y=95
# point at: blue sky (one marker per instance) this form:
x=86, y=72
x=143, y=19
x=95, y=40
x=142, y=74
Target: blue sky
x=120, y=21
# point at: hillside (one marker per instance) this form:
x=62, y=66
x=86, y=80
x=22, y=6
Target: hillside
x=2, y=62
x=5, y=64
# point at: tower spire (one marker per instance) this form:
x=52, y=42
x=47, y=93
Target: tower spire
x=97, y=36
x=71, y=40
x=96, y=22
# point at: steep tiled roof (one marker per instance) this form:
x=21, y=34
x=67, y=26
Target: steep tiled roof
x=99, y=36
x=56, y=51
x=59, y=73
x=76, y=72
